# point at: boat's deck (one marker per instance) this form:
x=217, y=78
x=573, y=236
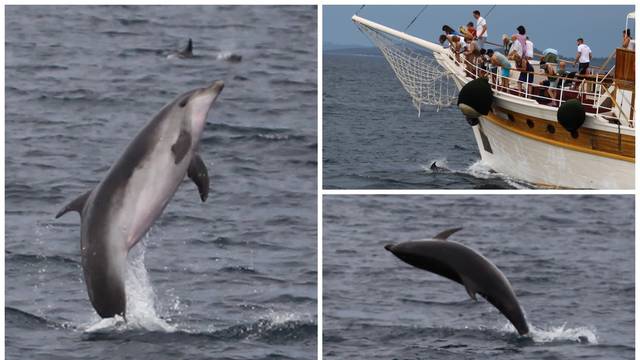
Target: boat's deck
x=595, y=92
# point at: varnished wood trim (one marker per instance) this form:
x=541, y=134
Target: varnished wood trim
x=519, y=126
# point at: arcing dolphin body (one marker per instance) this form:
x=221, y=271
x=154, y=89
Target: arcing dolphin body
x=466, y=267
x=123, y=206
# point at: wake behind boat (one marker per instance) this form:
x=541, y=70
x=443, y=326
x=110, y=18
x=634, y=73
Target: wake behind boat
x=579, y=134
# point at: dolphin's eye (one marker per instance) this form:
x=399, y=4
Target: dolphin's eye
x=184, y=102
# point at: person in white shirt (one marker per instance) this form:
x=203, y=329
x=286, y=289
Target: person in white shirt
x=481, y=28
x=516, y=48
x=583, y=57
x=529, y=51
x=627, y=40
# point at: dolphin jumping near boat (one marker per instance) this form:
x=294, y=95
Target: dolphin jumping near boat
x=468, y=268
x=117, y=213
x=185, y=53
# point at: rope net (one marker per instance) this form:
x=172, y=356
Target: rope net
x=420, y=74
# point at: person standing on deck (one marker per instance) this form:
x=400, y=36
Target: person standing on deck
x=627, y=40
x=521, y=37
x=481, y=28
x=529, y=50
x=516, y=48
x=583, y=57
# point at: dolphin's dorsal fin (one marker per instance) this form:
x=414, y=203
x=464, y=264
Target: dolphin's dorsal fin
x=445, y=234
x=76, y=204
x=189, y=48
x=434, y=166
x=200, y=176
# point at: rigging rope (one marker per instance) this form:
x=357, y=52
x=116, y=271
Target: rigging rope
x=361, y=7
x=415, y=18
x=489, y=12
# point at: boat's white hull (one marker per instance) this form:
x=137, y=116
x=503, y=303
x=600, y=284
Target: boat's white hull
x=545, y=164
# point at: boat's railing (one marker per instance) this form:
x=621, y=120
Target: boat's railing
x=595, y=95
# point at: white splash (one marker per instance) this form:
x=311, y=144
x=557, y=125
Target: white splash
x=282, y=317
x=580, y=334
x=481, y=170
x=141, y=311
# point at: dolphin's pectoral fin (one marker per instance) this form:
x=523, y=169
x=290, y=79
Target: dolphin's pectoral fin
x=471, y=293
x=200, y=176
x=181, y=146
x=468, y=285
x=76, y=204
x=445, y=234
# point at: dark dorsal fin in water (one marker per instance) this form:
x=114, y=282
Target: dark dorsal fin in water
x=76, y=204
x=434, y=167
x=445, y=234
x=188, y=50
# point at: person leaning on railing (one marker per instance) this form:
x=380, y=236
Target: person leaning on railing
x=552, y=81
x=471, y=53
x=526, y=72
x=456, y=44
x=499, y=60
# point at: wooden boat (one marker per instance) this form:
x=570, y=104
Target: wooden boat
x=521, y=136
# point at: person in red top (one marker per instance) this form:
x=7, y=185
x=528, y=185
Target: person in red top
x=471, y=30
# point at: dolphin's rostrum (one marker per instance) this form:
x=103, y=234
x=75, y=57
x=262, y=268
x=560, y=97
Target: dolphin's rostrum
x=117, y=213
x=466, y=267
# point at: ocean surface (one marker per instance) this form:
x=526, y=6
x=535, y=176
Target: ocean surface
x=231, y=278
x=569, y=258
x=374, y=139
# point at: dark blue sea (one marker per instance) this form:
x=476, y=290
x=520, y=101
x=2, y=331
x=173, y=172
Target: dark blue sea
x=374, y=139
x=569, y=258
x=231, y=278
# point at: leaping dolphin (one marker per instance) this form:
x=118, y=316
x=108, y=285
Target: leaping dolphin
x=123, y=206
x=466, y=267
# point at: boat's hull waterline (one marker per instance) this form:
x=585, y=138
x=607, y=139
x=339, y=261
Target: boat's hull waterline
x=523, y=140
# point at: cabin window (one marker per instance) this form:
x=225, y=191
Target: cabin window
x=551, y=129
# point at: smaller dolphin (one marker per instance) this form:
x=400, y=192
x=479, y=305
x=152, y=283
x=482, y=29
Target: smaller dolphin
x=468, y=268
x=185, y=53
x=435, y=168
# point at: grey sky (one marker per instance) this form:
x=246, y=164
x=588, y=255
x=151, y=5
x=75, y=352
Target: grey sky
x=548, y=25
